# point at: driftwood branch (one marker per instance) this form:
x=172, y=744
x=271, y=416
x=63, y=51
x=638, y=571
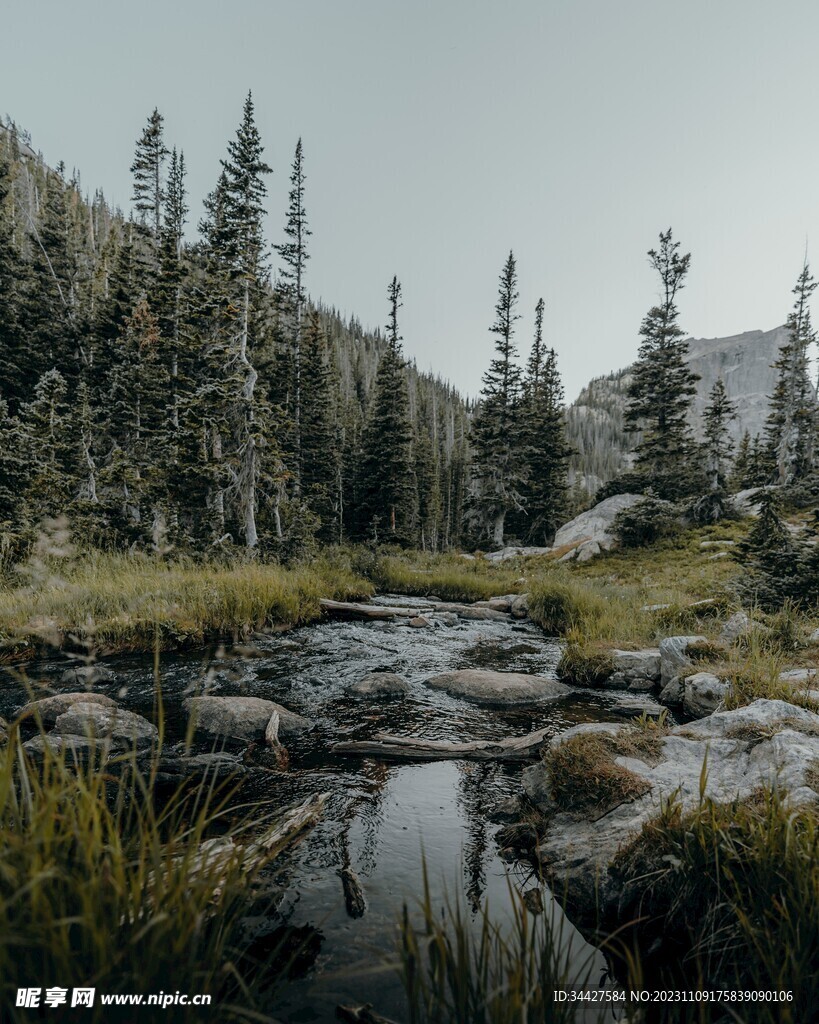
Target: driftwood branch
x=352, y=610
x=412, y=748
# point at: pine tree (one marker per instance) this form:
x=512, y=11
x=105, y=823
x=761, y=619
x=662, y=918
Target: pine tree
x=147, y=169
x=662, y=386
x=741, y=467
x=49, y=450
x=718, y=443
x=294, y=258
x=791, y=426
x=497, y=463
x=388, y=483
x=543, y=436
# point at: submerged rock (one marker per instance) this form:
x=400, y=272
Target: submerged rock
x=103, y=722
x=176, y=768
x=87, y=675
x=241, y=718
x=420, y=622
x=379, y=684
x=487, y=687
x=76, y=749
x=50, y=708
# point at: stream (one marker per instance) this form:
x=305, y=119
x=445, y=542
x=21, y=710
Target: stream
x=385, y=818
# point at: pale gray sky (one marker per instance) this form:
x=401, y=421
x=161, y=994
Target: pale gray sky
x=438, y=135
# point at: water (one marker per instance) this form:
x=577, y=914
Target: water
x=385, y=819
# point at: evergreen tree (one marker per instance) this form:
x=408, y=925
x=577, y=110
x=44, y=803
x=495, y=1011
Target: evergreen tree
x=543, y=434
x=48, y=445
x=791, y=425
x=294, y=259
x=741, y=467
x=320, y=454
x=147, y=169
x=718, y=443
x=388, y=483
x=497, y=462
x=663, y=386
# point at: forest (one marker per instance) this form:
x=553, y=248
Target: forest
x=163, y=391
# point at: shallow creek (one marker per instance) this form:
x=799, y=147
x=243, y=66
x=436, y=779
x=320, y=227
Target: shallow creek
x=384, y=818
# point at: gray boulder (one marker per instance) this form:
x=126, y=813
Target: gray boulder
x=241, y=718
x=483, y=614
x=507, y=553
x=596, y=524
x=447, y=618
x=738, y=625
x=103, y=722
x=379, y=684
x=214, y=765
x=674, y=659
x=672, y=693
x=486, y=687
x=703, y=693
x=87, y=675
x=419, y=622
x=75, y=749
x=634, y=665
x=520, y=607
x=50, y=708
x=766, y=743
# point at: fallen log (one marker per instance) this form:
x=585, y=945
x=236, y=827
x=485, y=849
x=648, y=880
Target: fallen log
x=271, y=739
x=413, y=748
x=354, y=610
x=353, y=893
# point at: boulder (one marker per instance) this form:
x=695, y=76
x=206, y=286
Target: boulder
x=747, y=502
x=486, y=687
x=512, y=552
x=520, y=607
x=738, y=625
x=76, y=749
x=171, y=769
x=799, y=680
x=644, y=664
x=483, y=614
x=379, y=684
x=768, y=742
x=447, y=618
x=672, y=693
x=241, y=718
x=596, y=525
x=103, y=722
x=50, y=708
x=587, y=550
x=87, y=675
x=674, y=659
x=703, y=693
x=419, y=622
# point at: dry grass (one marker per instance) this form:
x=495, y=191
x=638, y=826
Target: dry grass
x=585, y=776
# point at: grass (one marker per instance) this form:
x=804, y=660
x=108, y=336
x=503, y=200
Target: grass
x=129, y=601
x=461, y=971
x=732, y=892
x=100, y=887
x=585, y=776
x=450, y=577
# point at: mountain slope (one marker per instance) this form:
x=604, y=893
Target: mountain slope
x=595, y=420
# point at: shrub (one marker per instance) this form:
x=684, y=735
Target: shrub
x=647, y=522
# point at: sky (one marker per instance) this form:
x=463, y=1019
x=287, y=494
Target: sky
x=440, y=135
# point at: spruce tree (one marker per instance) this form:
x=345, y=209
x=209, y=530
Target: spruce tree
x=662, y=385
x=718, y=443
x=320, y=455
x=388, y=483
x=543, y=436
x=497, y=458
x=147, y=169
x=294, y=259
x=791, y=425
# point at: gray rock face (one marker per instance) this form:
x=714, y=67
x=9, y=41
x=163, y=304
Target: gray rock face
x=241, y=718
x=486, y=687
x=103, y=722
x=767, y=743
x=639, y=667
x=703, y=693
x=673, y=657
x=739, y=624
x=744, y=362
x=379, y=684
x=50, y=708
x=594, y=527
x=672, y=693
x=87, y=675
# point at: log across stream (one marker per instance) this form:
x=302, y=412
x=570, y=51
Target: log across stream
x=408, y=778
